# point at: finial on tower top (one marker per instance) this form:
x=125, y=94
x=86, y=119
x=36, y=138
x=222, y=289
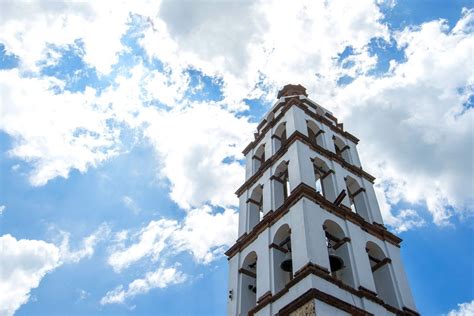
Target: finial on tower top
x=292, y=89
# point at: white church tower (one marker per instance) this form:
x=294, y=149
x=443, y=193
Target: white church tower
x=311, y=237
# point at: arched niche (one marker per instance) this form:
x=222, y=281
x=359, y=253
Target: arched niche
x=248, y=283
x=281, y=184
x=315, y=133
x=258, y=158
x=279, y=137
x=255, y=207
x=341, y=149
x=282, y=258
x=357, y=197
x=380, y=266
x=324, y=179
x=338, y=245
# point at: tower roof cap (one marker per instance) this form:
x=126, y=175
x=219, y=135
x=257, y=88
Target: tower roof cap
x=292, y=89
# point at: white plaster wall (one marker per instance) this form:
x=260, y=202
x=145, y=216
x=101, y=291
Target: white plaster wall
x=340, y=184
x=404, y=289
x=290, y=122
x=268, y=145
x=354, y=153
x=267, y=195
x=327, y=138
x=361, y=264
x=305, y=165
x=300, y=118
x=243, y=214
x=372, y=201
x=233, y=285
x=298, y=233
x=315, y=237
x=248, y=165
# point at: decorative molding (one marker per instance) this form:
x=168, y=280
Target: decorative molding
x=252, y=201
x=313, y=269
x=298, y=136
x=356, y=193
x=340, y=197
x=341, y=242
x=262, y=299
x=303, y=104
x=278, y=247
x=381, y=263
x=292, y=89
x=324, y=297
x=305, y=191
x=248, y=273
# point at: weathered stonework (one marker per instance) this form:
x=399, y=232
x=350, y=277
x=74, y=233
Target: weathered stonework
x=307, y=309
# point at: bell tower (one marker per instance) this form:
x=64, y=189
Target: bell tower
x=311, y=237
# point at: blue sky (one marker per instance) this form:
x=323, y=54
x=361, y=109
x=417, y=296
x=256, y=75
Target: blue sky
x=121, y=134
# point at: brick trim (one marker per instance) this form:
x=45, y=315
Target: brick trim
x=326, y=298
x=298, y=136
x=314, y=269
x=305, y=191
x=248, y=273
x=303, y=104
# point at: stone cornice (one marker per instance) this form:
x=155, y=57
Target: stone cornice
x=305, y=191
x=314, y=269
x=304, y=139
x=304, y=105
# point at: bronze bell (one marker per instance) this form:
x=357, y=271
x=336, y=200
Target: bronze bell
x=336, y=263
x=287, y=264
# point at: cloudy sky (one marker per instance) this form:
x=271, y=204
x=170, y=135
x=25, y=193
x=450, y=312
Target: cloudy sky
x=122, y=126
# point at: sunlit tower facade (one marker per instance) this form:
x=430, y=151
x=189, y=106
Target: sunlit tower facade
x=311, y=239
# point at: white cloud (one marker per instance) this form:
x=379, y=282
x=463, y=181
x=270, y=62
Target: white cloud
x=83, y=294
x=23, y=265
x=252, y=43
x=405, y=219
x=202, y=233
x=131, y=204
x=28, y=29
x=253, y=54
x=2, y=209
x=464, y=309
x=54, y=132
x=416, y=134
x=25, y=262
x=161, y=278
x=192, y=144
x=151, y=240
x=88, y=245
x=206, y=235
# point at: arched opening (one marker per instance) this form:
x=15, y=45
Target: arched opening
x=279, y=137
x=357, y=197
x=315, y=134
x=282, y=259
x=338, y=251
x=342, y=150
x=255, y=207
x=258, y=158
x=281, y=184
x=324, y=182
x=248, y=283
x=380, y=266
